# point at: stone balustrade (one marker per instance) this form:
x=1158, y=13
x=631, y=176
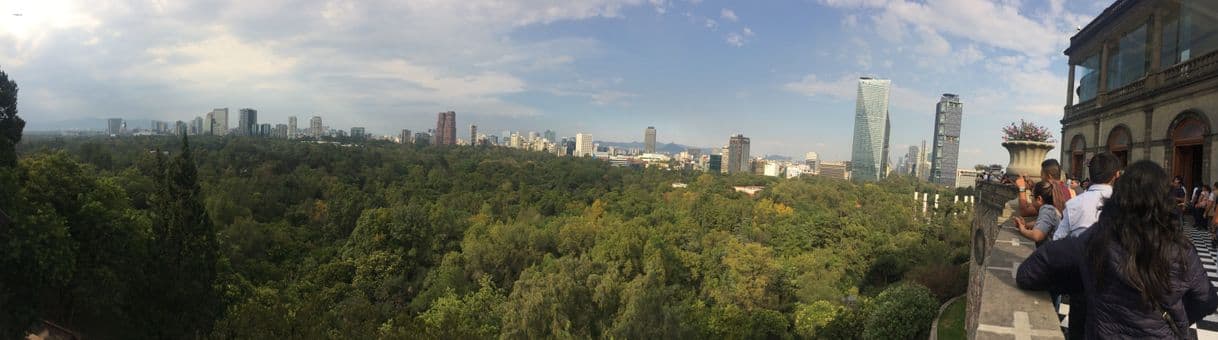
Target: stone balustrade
x=997, y=308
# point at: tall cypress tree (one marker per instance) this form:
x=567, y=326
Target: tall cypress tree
x=10, y=124
x=187, y=300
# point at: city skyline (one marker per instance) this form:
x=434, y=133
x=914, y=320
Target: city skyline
x=580, y=67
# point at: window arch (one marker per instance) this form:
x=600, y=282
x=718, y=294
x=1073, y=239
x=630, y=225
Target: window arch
x=1119, y=141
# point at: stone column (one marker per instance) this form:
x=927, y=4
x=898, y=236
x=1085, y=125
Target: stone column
x=1070, y=90
x=1103, y=88
x=1150, y=115
x=1156, y=48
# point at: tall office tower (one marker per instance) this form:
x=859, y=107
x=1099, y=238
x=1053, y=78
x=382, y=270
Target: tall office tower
x=946, y=155
x=292, y=131
x=358, y=133
x=247, y=122
x=114, y=126
x=923, y=162
x=219, y=124
x=551, y=136
x=473, y=134
x=583, y=145
x=280, y=131
x=812, y=159
x=209, y=123
x=315, y=128
x=912, y=159
x=446, y=128
x=405, y=137
x=738, y=154
x=649, y=140
x=714, y=163
x=868, y=157
x=198, y=128
x=725, y=158
x=179, y=127
x=263, y=130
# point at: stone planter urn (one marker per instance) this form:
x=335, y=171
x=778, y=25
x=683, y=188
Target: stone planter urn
x=1026, y=157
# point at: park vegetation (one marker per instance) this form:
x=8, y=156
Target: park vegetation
x=213, y=237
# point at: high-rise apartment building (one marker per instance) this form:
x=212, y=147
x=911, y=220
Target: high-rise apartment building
x=315, y=127
x=473, y=134
x=583, y=145
x=737, y=157
x=551, y=136
x=812, y=159
x=197, y=127
x=869, y=155
x=114, y=126
x=281, y=131
x=247, y=122
x=219, y=124
x=292, y=131
x=446, y=128
x=649, y=140
x=405, y=137
x=264, y=130
x=946, y=155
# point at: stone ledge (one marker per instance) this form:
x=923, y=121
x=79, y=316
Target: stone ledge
x=996, y=307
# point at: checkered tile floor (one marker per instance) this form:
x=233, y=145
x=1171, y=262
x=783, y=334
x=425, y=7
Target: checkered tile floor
x=1207, y=328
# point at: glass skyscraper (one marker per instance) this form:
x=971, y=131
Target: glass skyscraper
x=946, y=155
x=869, y=156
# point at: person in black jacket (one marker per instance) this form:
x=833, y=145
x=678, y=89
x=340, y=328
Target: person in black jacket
x=1141, y=276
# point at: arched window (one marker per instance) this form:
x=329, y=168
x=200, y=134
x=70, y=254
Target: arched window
x=1118, y=143
x=1078, y=156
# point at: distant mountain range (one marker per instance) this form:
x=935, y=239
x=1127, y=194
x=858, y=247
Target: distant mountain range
x=672, y=148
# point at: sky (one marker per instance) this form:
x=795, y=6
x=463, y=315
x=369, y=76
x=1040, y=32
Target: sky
x=782, y=72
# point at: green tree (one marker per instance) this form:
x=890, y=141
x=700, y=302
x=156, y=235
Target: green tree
x=10, y=124
x=903, y=311
x=185, y=300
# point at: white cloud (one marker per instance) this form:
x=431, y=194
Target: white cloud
x=810, y=85
x=748, y=32
x=711, y=23
x=729, y=15
x=734, y=39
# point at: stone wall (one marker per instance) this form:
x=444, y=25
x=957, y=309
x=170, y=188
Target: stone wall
x=996, y=308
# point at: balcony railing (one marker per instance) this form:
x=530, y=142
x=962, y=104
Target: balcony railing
x=1129, y=90
x=1179, y=75
x=1190, y=70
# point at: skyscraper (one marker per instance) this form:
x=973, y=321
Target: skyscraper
x=946, y=155
x=315, y=128
x=473, y=134
x=247, y=122
x=405, y=137
x=649, y=140
x=869, y=155
x=197, y=127
x=583, y=145
x=263, y=130
x=551, y=136
x=446, y=128
x=737, y=159
x=209, y=123
x=912, y=159
x=292, y=131
x=357, y=133
x=114, y=126
x=219, y=125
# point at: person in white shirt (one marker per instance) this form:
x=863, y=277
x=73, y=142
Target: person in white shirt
x=1082, y=211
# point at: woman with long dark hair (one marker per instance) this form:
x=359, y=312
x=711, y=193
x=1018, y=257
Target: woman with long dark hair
x=1136, y=266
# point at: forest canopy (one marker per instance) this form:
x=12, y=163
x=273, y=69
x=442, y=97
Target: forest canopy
x=266, y=238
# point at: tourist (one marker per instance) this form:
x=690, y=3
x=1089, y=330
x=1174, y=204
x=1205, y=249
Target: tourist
x=1048, y=215
x=1137, y=270
x=1083, y=211
x=1050, y=171
x=1180, y=195
x=1201, y=203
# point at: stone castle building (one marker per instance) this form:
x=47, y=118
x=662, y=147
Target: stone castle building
x=1143, y=84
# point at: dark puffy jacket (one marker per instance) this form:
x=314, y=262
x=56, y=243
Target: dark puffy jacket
x=1116, y=311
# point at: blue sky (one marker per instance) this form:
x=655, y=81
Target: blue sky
x=780, y=72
